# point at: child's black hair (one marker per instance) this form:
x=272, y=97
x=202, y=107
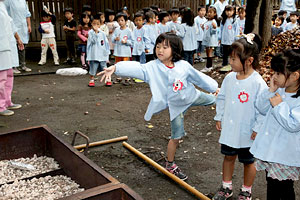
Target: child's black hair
x=241, y=9
x=121, y=14
x=155, y=12
x=286, y=63
x=175, y=43
x=45, y=14
x=281, y=18
x=69, y=9
x=282, y=12
x=155, y=7
x=200, y=7
x=224, y=16
x=244, y=49
x=146, y=9
x=174, y=10
x=100, y=14
x=149, y=15
x=188, y=17
x=95, y=17
x=294, y=13
x=86, y=8
x=84, y=15
x=138, y=14
x=162, y=15
x=107, y=13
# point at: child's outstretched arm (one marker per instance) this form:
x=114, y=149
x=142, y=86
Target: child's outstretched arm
x=127, y=69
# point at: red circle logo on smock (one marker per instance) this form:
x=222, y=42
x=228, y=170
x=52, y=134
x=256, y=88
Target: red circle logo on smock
x=230, y=27
x=139, y=39
x=243, y=97
x=125, y=37
x=207, y=27
x=177, y=85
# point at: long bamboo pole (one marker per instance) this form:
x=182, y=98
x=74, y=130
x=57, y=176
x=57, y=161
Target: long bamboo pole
x=166, y=172
x=102, y=142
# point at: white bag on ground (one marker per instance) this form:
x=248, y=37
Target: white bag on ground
x=74, y=71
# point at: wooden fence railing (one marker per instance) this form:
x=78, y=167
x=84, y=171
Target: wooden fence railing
x=57, y=7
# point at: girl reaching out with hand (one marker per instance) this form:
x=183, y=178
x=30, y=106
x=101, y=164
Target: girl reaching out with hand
x=171, y=81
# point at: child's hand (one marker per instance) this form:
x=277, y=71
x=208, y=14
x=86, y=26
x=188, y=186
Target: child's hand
x=273, y=85
x=202, y=26
x=20, y=44
x=65, y=28
x=214, y=25
x=276, y=100
x=107, y=72
x=253, y=135
x=124, y=41
x=147, y=51
x=47, y=31
x=218, y=125
x=117, y=38
x=217, y=92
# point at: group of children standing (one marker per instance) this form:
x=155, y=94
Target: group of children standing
x=281, y=24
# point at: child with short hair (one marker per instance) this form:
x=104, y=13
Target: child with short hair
x=237, y=117
x=97, y=50
x=122, y=39
x=138, y=40
x=190, y=31
x=293, y=24
x=276, y=146
x=150, y=35
x=46, y=28
x=129, y=23
x=88, y=9
x=210, y=36
x=199, y=21
x=171, y=81
x=276, y=28
x=82, y=32
x=174, y=25
x=69, y=28
x=283, y=13
x=163, y=17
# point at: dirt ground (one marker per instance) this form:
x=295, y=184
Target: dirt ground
x=67, y=105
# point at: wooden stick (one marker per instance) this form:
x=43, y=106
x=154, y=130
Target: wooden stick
x=166, y=172
x=102, y=142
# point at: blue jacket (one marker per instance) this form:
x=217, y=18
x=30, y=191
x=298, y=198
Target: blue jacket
x=199, y=22
x=278, y=140
x=290, y=26
x=236, y=109
x=163, y=28
x=18, y=11
x=239, y=27
x=228, y=32
x=161, y=80
x=97, y=46
x=177, y=28
x=138, y=41
x=121, y=49
x=150, y=37
x=189, y=37
x=210, y=37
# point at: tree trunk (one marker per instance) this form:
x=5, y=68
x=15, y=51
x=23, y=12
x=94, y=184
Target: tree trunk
x=251, y=11
x=265, y=21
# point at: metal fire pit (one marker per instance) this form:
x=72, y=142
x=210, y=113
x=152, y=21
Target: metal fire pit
x=97, y=183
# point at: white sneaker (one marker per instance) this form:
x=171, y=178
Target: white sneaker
x=14, y=106
x=26, y=69
x=7, y=113
x=204, y=70
x=16, y=71
x=56, y=63
x=41, y=63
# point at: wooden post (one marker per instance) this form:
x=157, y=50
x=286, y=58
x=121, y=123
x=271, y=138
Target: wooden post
x=166, y=172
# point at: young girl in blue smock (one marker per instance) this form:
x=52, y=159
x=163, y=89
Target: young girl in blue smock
x=277, y=145
x=237, y=117
x=171, y=81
